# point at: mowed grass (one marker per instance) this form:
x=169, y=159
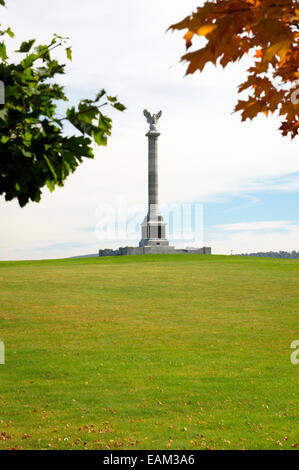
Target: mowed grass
x=149, y=352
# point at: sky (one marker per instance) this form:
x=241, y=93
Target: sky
x=241, y=178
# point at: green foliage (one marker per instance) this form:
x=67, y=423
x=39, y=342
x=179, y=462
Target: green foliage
x=26, y=45
x=34, y=150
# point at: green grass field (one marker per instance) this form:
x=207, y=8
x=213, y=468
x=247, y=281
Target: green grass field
x=149, y=352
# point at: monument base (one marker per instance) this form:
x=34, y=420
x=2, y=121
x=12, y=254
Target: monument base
x=153, y=250
x=153, y=230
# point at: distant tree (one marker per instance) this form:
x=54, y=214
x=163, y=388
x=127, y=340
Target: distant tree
x=267, y=29
x=34, y=150
x=274, y=254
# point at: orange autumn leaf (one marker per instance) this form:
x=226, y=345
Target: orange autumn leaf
x=281, y=48
x=188, y=37
x=268, y=32
x=206, y=29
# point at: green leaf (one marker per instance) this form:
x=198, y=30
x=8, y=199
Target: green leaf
x=69, y=53
x=3, y=114
x=50, y=167
x=99, y=137
x=9, y=32
x=51, y=185
x=88, y=115
x=99, y=95
x=3, y=54
x=105, y=123
x=86, y=112
x=4, y=139
x=29, y=60
x=119, y=106
x=112, y=99
x=26, y=153
x=43, y=53
x=27, y=138
x=26, y=45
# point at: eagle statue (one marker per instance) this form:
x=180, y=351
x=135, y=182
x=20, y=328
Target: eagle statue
x=152, y=119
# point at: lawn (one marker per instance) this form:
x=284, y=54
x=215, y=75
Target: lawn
x=149, y=352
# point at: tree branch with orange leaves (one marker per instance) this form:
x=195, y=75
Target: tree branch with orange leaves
x=268, y=31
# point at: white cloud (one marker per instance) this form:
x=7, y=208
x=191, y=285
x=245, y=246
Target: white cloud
x=257, y=236
x=261, y=225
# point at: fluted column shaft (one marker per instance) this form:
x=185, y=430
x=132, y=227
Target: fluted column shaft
x=153, y=180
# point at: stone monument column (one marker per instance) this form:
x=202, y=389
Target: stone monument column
x=153, y=189
x=153, y=227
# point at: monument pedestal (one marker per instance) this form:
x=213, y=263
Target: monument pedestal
x=153, y=231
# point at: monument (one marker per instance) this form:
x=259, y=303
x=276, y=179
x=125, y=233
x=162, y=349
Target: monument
x=153, y=228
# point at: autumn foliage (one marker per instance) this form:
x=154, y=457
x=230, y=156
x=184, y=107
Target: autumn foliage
x=268, y=31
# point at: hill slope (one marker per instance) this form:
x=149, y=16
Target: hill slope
x=149, y=352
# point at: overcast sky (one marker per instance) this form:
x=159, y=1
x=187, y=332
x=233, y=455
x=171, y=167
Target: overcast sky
x=245, y=175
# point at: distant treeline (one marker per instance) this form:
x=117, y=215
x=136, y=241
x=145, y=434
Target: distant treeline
x=274, y=254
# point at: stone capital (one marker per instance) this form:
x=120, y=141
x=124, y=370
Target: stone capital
x=153, y=134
